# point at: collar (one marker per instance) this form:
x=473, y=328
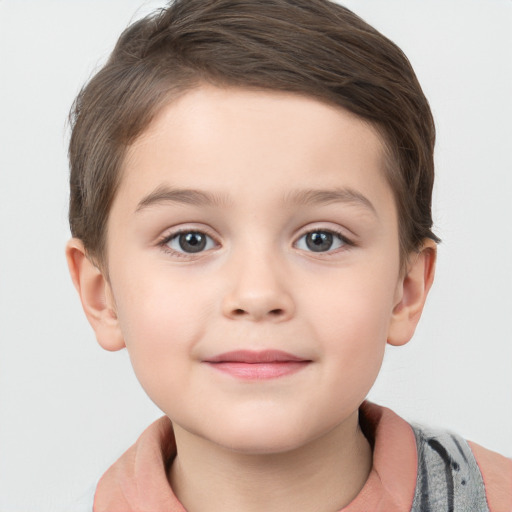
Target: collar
x=138, y=482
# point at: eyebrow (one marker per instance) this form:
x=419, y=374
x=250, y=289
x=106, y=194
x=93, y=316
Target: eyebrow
x=165, y=194
x=323, y=197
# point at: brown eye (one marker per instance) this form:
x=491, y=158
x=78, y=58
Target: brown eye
x=321, y=241
x=190, y=242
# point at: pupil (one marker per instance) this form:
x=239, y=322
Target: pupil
x=192, y=242
x=319, y=241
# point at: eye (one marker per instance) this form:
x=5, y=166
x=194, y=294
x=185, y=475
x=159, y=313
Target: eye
x=321, y=241
x=189, y=242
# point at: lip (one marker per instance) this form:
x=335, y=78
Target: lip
x=257, y=365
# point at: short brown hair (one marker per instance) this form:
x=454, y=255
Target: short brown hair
x=311, y=47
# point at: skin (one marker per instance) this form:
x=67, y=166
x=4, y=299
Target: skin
x=256, y=286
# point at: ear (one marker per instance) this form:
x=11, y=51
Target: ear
x=412, y=293
x=96, y=296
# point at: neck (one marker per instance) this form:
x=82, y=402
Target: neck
x=325, y=475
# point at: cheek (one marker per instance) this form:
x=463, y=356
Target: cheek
x=160, y=325
x=156, y=306
x=353, y=323
x=356, y=341
x=356, y=303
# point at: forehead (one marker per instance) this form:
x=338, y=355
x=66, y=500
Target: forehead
x=228, y=140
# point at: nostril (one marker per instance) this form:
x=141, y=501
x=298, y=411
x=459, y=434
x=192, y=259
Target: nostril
x=276, y=312
x=239, y=312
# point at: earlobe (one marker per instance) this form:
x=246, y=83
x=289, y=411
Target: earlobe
x=413, y=291
x=96, y=296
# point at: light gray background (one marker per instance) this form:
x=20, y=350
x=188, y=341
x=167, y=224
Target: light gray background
x=68, y=409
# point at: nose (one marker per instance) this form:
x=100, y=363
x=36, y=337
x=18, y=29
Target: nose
x=258, y=291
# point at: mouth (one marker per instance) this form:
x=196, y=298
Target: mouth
x=257, y=365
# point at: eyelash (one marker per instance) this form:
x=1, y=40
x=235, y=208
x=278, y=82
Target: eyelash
x=163, y=243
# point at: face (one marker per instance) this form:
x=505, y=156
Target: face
x=253, y=258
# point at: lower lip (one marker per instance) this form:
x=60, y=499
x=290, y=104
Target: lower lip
x=259, y=371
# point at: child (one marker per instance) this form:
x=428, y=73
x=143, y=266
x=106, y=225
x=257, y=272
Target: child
x=250, y=208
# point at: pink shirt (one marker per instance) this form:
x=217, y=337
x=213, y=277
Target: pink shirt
x=137, y=482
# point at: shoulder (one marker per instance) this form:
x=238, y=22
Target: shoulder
x=496, y=473
x=456, y=475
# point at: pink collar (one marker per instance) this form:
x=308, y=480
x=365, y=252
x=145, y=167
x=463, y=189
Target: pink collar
x=138, y=482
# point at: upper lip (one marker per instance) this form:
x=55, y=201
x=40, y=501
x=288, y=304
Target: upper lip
x=254, y=357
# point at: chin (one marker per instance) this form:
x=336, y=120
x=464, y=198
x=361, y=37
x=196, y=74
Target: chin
x=255, y=443
x=261, y=436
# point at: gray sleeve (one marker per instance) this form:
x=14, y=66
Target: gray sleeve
x=449, y=478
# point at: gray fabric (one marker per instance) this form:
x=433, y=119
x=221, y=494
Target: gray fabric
x=449, y=479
